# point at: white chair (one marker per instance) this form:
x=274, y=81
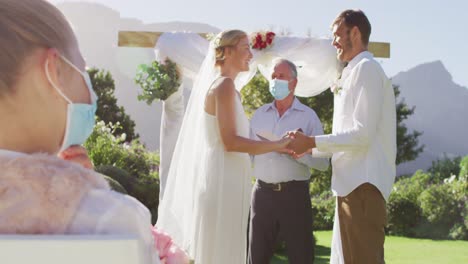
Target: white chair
x=70, y=249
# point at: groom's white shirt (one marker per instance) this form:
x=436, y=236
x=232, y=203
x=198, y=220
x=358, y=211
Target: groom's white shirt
x=363, y=141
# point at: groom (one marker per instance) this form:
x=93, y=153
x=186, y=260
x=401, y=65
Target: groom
x=363, y=144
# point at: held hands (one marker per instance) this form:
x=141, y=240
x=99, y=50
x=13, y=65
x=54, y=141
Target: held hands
x=77, y=154
x=300, y=144
x=284, y=142
x=295, y=144
x=286, y=150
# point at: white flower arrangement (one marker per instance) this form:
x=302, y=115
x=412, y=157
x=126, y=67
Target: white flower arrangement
x=337, y=87
x=214, y=38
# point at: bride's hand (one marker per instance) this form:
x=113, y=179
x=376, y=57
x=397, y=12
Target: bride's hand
x=283, y=144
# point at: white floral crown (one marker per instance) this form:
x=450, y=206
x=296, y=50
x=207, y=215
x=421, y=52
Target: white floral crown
x=215, y=39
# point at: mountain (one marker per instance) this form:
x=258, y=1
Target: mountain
x=441, y=112
x=97, y=34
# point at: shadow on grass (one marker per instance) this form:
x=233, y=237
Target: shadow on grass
x=322, y=256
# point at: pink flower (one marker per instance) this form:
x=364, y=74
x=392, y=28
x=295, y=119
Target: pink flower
x=169, y=253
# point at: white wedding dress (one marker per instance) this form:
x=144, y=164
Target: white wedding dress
x=223, y=200
x=206, y=202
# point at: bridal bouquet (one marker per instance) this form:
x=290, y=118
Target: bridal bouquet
x=157, y=80
x=262, y=40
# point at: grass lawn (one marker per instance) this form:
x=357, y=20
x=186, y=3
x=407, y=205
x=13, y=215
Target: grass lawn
x=399, y=250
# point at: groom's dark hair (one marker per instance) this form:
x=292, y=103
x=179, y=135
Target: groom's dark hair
x=356, y=18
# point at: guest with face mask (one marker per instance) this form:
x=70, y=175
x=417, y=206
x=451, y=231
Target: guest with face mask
x=280, y=206
x=47, y=108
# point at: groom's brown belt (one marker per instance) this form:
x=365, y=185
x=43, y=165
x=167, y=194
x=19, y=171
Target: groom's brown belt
x=281, y=186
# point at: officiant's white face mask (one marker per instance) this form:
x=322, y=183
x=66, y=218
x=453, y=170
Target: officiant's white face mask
x=279, y=89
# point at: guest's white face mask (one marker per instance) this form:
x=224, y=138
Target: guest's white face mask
x=80, y=117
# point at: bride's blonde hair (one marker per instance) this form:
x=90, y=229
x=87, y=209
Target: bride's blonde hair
x=27, y=25
x=225, y=39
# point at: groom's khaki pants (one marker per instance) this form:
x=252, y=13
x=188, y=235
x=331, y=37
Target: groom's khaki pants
x=363, y=216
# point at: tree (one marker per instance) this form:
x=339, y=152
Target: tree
x=108, y=110
x=407, y=142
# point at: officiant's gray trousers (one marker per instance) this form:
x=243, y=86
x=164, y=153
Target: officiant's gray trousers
x=281, y=213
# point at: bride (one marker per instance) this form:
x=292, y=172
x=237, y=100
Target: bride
x=207, y=197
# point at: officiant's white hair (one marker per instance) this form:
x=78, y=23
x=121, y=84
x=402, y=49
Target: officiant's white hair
x=291, y=65
x=27, y=25
x=227, y=38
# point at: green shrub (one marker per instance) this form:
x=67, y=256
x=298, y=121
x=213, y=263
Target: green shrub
x=404, y=215
x=323, y=210
x=323, y=202
x=106, y=149
x=439, y=207
x=417, y=205
x=458, y=232
x=138, y=172
x=403, y=210
x=157, y=80
x=144, y=189
x=459, y=189
x=464, y=168
x=108, y=110
x=444, y=210
x=444, y=168
x=119, y=175
x=438, y=204
x=147, y=191
x=115, y=185
x=320, y=181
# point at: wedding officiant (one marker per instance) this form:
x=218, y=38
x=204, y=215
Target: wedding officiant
x=280, y=206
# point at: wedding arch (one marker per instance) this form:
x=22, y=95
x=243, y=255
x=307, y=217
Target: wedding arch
x=315, y=57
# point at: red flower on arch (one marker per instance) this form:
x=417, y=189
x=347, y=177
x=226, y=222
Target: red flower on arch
x=262, y=40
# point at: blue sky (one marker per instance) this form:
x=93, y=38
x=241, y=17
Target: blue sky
x=419, y=31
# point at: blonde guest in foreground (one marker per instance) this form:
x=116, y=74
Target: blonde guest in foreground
x=47, y=107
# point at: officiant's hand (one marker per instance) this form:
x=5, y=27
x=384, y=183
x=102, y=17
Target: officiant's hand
x=77, y=154
x=298, y=156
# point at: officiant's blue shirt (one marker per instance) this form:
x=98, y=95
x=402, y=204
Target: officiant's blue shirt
x=275, y=167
